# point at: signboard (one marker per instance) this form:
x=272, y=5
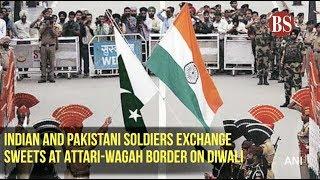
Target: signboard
x=105, y=53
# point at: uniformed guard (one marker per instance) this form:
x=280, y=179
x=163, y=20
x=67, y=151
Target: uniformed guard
x=303, y=138
x=316, y=45
x=4, y=52
x=264, y=48
x=255, y=166
x=23, y=102
x=268, y=152
x=71, y=118
x=48, y=38
x=309, y=37
x=293, y=61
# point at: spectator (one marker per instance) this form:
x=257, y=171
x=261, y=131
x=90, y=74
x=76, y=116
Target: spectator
x=227, y=16
x=89, y=18
x=3, y=27
x=166, y=21
x=234, y=5
x=237, y=27
x=11, y=28
x=62, y=17
x=71, y=28
x=117, y=19
x=133, y=12
x=129, y=23
x=220, y=25
x=218, y=8
x=56, y=25
x=249, y=16
x=300, y=22
x=50, y=11
x=205, y=26
x=152, y=22
x=87, y=35
x=23, y=26
x=107, y=21
x=141, y=23
x=101, y=27
x=78, y=16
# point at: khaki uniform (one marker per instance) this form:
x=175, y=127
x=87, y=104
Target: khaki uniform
x=4, y=56
x=48, y=49
x=303, y=137
x=268, y=152
x=316, y=49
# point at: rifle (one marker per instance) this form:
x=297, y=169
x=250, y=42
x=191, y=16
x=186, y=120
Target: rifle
x=276, y=144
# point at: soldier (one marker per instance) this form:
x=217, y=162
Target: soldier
x=316, y=45
x=308, y=38
x=268, y=152
x=264, y=47
x=255, y=167
x=23, y=102
x=4, y=52
x=48, y=37
x=303, y=138
x=293, y=62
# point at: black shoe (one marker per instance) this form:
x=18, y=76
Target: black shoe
x=281, y=81
x=260, y=81
x=265, y=82
x=286, y=103
x=42, y=81
x=51, y=80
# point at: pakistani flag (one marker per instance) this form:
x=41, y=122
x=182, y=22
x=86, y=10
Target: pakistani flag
x=137, y=88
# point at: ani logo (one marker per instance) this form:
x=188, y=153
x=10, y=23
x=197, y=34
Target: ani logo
x=191, y=73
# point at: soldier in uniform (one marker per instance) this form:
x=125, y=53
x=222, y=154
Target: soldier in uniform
x=303, y=138
x=309, y=37
x=255, y=168
x=23, y=102
x=293, y=62
x=268, y=152
x=4, y=50
x=71, y=121
x=48, y=38
x=264, y=47
x=316, y=45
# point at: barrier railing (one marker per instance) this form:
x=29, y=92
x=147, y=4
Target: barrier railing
x=238, y=53
x=209, y=47
x=103, y=55
x=27, y=53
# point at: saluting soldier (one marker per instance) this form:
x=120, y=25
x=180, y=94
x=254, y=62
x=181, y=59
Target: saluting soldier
x=264, y=48
x=48, y=38
x=293, y=61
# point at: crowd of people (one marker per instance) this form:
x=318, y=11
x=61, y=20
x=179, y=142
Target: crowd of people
x=148, y=20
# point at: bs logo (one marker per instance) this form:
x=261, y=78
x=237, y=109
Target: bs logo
x=281, y=24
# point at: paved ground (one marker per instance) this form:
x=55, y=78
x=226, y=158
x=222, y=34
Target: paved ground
x=239, y=94
x=101, y=95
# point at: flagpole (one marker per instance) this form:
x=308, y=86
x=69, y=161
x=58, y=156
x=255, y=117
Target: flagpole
x=162, y=112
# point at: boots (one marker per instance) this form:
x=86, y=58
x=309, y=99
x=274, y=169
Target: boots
x=287, y=102
x=260, y=80
x=265, y=80
x=42, y=80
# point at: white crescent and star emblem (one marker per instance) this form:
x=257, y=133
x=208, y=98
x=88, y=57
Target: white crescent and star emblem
x=191, y=73
x=134, y=115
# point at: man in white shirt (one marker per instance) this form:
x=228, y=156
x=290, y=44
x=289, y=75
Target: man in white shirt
x=237, y=27
x=152, y=22
x=167, y=21
x=3, y=26
x=23, y=26
x=220, y=25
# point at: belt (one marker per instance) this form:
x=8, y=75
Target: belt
x=47, y=45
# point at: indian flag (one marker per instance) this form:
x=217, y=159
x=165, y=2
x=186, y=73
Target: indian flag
x=177, y=61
